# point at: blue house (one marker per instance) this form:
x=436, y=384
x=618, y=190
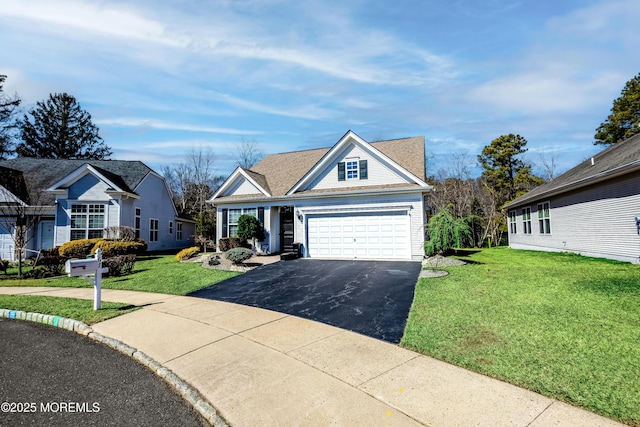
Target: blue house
x=78, y=199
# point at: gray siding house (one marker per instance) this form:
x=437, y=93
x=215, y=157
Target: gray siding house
x=592, y=209
x=77, y=199
x=356, y=199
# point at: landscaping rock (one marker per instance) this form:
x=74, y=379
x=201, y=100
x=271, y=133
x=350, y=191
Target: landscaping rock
x=441, y=261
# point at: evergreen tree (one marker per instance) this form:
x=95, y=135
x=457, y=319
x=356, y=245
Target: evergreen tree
x=624, y=120
x=8, y=108
x=60, y=129
x=504, y=171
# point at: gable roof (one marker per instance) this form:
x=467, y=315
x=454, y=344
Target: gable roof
x=42, y=173
x=616, y=160
x=281, y=172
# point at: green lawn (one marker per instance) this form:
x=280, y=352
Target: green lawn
x=70, y=308
x=559, y=324
x=152, y=273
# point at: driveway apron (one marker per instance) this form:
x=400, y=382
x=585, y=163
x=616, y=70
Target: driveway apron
x=369, y=297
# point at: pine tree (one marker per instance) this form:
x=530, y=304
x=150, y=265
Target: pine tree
x=624, y=120
x=60, y=129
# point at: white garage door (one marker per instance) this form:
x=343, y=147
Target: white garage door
x=6, y=243
x=369, y=236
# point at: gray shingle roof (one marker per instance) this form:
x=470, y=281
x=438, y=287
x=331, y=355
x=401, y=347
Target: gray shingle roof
x=615, y=160
x=43, y=173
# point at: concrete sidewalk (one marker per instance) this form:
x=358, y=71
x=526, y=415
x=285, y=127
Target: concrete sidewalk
x=262, y=368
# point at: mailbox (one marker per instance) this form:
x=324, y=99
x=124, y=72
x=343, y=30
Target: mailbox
x=81, y=267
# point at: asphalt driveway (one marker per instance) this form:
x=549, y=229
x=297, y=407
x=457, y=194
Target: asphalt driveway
x=369, y=297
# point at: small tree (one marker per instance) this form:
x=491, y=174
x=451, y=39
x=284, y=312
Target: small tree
x=249, y=227
x=446, y=232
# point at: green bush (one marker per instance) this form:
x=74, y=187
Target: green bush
x=120, y=265
x=78, y=248
x=187, y=253
x=51, y=262
x=228, y=243
x=238, y=255
x=249, y=227
x=111, y=248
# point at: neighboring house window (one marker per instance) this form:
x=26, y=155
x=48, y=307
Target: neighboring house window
x=170, y=227
x=178, y=231
x=353, y=169
x=512, y=222
x=153, y=230
x=137, y=223
x=234, y=214
x=87, y=221
x=543, y=218
x=526, y=220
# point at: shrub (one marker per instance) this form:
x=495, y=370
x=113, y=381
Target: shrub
x=51, y=262
x=120, y=232
x=4, y=265
x=227, y=243
x=112, y=248
x=238, y=255
x=249, y=227
x=120, y=265
x=187, y=253
x=78, y=248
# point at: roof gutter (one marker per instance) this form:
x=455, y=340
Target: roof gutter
x=324, y=195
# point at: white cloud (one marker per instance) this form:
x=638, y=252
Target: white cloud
x=164, y=125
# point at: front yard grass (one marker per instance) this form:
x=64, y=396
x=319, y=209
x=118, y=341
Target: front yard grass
x=559, y=324
x=70, y=308
x=152, y=273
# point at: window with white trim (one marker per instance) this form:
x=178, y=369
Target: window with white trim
x=137, y=222
x=544, y=222
x=526, y=220
x=234, y=214
x=512, y=222
x=87, y=221
x=352, y=169
x=153, y=230
x=178, y=231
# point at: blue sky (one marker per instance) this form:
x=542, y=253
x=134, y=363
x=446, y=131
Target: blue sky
x=162, y=77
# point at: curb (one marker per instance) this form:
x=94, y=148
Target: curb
x=197, y=401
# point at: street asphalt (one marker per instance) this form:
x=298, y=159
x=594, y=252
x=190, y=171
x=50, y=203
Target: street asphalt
x=54, y=377
x=372, y=298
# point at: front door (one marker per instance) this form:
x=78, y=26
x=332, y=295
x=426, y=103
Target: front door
x=46, y=234
x=286, y=229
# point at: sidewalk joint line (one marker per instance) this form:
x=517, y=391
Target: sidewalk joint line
x=542, y=412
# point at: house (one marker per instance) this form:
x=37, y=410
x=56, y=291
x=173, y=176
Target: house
x=357, y=199
x=593, y=209
x=77, y=199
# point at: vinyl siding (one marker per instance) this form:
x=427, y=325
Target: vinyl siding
x=379, y=173
x=595, y=221
x=156, y=203
x=242, y=186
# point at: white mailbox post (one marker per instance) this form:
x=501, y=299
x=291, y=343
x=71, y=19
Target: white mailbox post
x=89, y=267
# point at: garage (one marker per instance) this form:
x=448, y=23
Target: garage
x=380, y=235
